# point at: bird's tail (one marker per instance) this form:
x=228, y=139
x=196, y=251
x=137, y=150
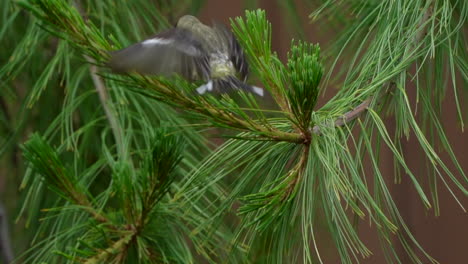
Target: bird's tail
x=228, y=84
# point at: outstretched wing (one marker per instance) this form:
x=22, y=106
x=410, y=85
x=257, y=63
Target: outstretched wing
x=175, y=51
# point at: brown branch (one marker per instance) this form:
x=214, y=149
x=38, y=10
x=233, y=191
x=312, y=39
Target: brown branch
x=6, y=252
x=105, y=102
x=298, y=171
x=347, y=117
x=422, y=26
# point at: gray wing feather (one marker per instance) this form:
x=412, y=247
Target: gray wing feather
x=175, y=51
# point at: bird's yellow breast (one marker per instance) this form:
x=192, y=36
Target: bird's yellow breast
x=221, y=66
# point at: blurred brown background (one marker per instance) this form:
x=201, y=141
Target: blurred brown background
x=445, y=237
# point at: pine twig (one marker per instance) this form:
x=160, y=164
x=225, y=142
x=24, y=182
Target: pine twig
x=117, y=247
x=104, y=99
x=347, y=117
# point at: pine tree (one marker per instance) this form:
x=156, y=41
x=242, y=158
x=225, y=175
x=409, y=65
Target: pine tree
x=121, y=168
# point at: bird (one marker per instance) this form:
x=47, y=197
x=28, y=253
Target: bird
x=193, y=50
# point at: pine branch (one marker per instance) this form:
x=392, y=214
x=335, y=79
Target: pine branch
x=361, y=108
x=116, y=248
x=46, y=162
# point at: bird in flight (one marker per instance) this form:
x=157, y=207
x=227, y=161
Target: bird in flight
x=194, y=51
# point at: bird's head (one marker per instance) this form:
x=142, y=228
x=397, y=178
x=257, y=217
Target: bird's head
x=188, y=22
